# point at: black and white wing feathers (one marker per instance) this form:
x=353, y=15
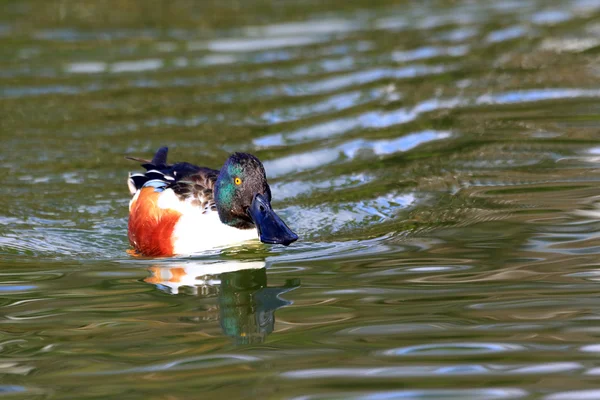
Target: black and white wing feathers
x=188, y=181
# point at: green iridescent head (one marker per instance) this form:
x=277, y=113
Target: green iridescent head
x=243, y=199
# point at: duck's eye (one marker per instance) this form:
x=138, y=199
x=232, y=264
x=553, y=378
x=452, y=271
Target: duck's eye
x=237, y=181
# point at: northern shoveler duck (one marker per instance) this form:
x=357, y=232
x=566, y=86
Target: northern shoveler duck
x=182, y=208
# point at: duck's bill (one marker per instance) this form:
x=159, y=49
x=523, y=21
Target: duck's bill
x=271, y=229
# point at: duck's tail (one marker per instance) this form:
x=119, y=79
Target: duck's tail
x=159, y=161
x=155, y=171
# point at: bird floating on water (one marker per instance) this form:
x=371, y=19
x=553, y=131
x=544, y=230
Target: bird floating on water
x=182, y=209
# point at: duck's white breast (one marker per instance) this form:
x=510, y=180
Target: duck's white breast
x=200, y=229
x=198, y=232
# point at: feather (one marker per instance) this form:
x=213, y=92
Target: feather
x=160, y=158
x=137, y=159
x=188, y=181
x=158, y=161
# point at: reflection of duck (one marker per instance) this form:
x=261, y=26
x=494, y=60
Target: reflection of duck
x=183, y=209
x=246, y=305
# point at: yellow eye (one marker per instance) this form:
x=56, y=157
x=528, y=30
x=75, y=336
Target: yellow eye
x=237, y=181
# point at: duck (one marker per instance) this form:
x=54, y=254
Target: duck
x=182, y=209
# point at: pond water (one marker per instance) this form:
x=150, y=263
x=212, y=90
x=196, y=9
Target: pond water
x=440, y=161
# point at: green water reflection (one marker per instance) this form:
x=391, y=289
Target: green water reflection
x=246, y=305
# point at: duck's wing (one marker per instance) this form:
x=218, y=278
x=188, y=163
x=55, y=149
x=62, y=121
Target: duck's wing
x=197, y=188
x=188, y=181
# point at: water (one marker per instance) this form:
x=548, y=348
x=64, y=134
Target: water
x=440, y=162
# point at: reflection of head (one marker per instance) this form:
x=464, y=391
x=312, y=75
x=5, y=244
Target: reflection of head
x=246, y=304
x=238, y=305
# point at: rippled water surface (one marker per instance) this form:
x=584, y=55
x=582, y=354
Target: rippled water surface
x=440, y=161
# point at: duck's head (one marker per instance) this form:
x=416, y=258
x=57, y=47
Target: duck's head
x=243, y=199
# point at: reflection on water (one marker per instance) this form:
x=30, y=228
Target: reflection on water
x=246, y=304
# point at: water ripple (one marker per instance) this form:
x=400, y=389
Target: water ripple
x=200, y=362
x=443, y=349
x=591, y=394
x=447, y=394
x=316, y=159
x=424, y=371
